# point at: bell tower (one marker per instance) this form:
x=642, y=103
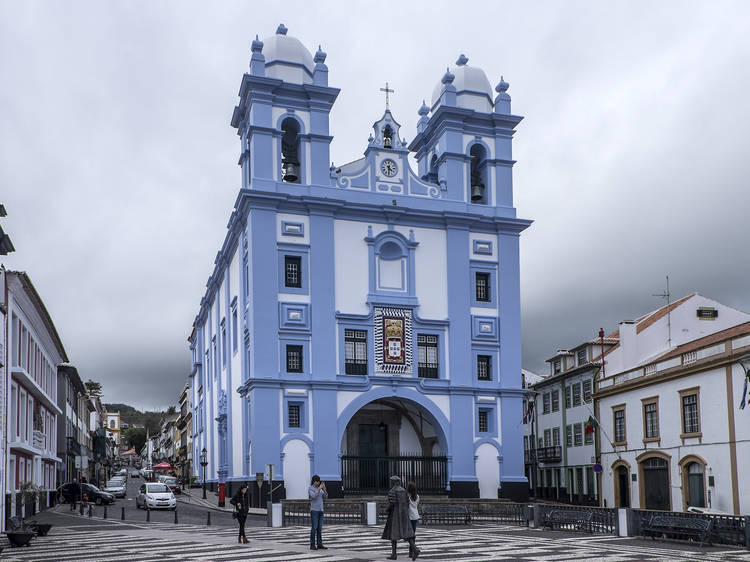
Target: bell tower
x=463, y=140
x=282, y=117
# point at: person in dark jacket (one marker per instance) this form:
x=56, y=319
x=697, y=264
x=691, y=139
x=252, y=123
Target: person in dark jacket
x=241, y=503
x=398, y=526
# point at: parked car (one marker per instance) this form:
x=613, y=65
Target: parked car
x=135, y=474
x=122, y=472
x=154, y=495
x=116, y=487
x=93, y=494
x=172, y=484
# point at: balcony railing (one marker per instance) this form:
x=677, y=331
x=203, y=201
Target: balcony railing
x=529, y=456
x=549, y=454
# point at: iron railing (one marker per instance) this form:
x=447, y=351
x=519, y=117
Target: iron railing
x=297, y=512
x=727, y=529
x=370, y=475
x=549, y=454
x=602, y=520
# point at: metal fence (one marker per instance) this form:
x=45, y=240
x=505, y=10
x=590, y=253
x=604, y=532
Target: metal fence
x=600, y=520
x=297, y=512
x=370, y=475
x=727, y=529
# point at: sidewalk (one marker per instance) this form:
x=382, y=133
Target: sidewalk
x=194, y=496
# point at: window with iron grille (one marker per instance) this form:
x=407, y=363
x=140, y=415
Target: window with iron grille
x=293, y=271
x=568, y=435
x=690, y=414
x=483, y=367
x=555, y=400
x=483, y=287
x=568, y=395
x=294, y=359
x=555, y=436
x=577, y=434
x=355, y=352
x=546, y=402
x=619, y=426
x=294, y=415
x=651, y=420
x=427, y=356
x=483, y=421
x=577, y=394
x=587, y=391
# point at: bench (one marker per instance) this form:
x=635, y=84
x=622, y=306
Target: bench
x=446, y=515
x=579, y=518
x=679, y=527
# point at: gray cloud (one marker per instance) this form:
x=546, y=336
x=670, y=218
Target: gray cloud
x=118, y=165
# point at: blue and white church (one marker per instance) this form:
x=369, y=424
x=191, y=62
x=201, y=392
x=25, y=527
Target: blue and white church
x=363, y=319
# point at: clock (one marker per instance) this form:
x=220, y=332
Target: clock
x=388, y=167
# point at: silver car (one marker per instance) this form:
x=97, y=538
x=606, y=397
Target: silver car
x=116, y=488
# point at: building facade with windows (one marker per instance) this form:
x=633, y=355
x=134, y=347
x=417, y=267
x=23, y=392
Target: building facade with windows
x=352, y=325
x=31, y=355
x=74, y=441
x=673, y=432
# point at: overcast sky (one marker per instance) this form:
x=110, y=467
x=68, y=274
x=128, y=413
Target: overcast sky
x=118, y=166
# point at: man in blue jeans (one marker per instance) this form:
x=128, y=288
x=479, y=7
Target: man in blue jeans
x=317, y=492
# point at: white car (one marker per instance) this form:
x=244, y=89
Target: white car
x=154, y=495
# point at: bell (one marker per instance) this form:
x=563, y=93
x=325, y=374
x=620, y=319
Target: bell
x=477, y=192
x=387, y=142
x=291, y=172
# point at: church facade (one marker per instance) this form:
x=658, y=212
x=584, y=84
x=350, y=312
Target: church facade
x=363, y=320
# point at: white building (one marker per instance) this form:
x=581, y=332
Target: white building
x=670, y=428
x=113, y=427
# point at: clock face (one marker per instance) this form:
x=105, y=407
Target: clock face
x=388, y=167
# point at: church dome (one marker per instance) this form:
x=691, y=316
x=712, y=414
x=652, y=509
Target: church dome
x=287, y=58
x=473, y=90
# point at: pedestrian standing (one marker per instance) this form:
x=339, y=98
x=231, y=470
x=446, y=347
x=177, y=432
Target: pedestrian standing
x=397, y=526
x=317, y=492
x=411, y=491
x=241, y=503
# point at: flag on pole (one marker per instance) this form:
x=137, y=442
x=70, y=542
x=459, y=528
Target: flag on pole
x=744, y=392
x=590, y=425
x=528, y=415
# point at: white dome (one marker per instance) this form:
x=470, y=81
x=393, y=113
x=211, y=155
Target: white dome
x=473, y=90
x=284, y=54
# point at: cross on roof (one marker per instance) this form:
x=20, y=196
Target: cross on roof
x=387, y=91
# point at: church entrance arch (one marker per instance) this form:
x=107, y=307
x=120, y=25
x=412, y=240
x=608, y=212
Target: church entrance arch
x=392, y=435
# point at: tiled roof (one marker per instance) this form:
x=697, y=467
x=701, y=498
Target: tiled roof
x=729, y=333
x=645, y=321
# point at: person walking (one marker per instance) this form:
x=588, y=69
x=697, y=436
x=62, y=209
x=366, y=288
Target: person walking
x=241, y=503
x=317, y=492
x=411, y=491
x=397, y=526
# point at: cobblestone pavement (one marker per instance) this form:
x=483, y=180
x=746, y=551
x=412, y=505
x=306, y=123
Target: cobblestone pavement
x=114, y=541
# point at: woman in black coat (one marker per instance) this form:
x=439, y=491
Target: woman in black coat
x=398, y=526
x=241, y=503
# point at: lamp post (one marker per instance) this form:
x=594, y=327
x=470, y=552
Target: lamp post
x=204, y=463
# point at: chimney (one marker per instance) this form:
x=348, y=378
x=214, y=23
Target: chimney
x=628, y=343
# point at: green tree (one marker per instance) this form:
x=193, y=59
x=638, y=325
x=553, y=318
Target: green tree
x=171, y=411
x=93, y=388
x=135, y=437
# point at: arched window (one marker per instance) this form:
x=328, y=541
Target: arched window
x=387, y=137
x=112, y=424
x=478, y=174
x=290, y=149
x=432, y=173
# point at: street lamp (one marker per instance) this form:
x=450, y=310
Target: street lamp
x=204, y=463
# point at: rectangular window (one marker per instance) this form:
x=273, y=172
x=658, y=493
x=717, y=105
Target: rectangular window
x=525, y=442
x=690, y=420
x=556, y=366
x=294, y=415
x=581, y=356
x=651, y=420
x=568, y=435
x=546, y=402
x=293, y=272
x=555, y=436
x=547, y=438
x=587, y=391
x=355, y=352
x=619, y=423
x=555, y=400
x=577, y=394
x=483, y=421
x=235, y=337
x=223, y=344
x=484, y=362
x=578, y=434
x=294, y=358
x=483, y=287
x=568, y=395
x=427, y=356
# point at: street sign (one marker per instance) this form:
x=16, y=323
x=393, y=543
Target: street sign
x=269, y=472
x=598, y=468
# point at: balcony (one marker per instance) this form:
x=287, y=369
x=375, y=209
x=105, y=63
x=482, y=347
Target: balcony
x=549, y=454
